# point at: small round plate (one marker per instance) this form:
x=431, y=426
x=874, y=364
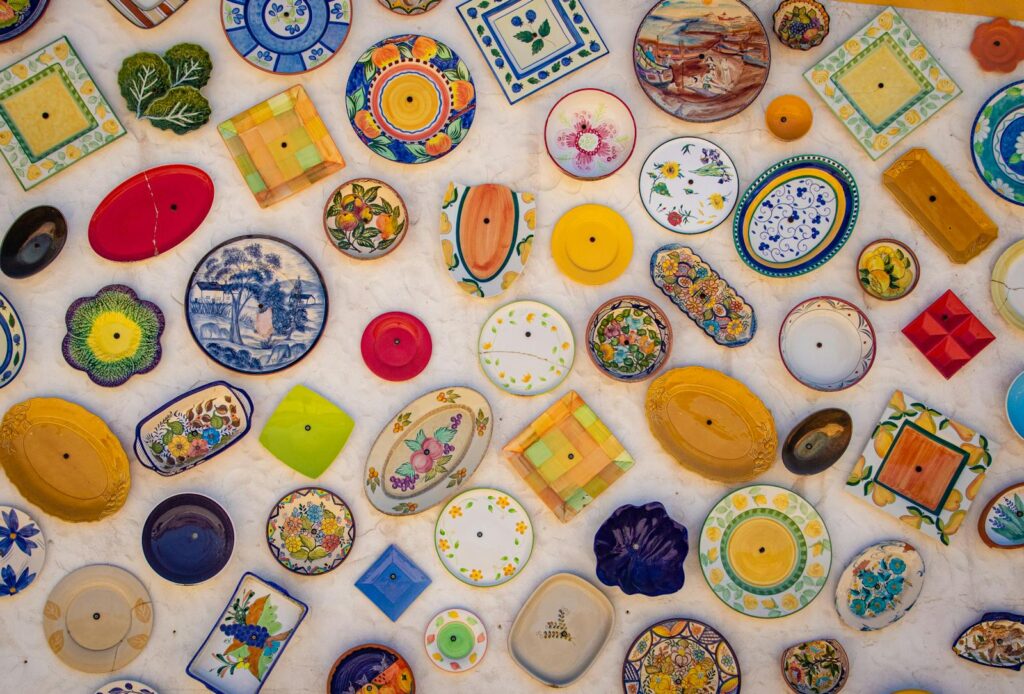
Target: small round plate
x=20, y=17
x=526, y=348
x=815, y=444
x=310, y=531
x=456, y=640
x=789, y=117
x=1001, y=523
x=816, y=667
x=998, y=143
x=801, y=24
x=689, y=185
x=1007, y=277
x=357, y=668
x=188, y=538
x=887, y=269
x=676, y=651
x=13, y=345
x=629, y=338
x=365, y=218
x=880, y=585
x=484, y=537
x=34, y=240
x=126, y=687
x=22, y=550
x=827, y=343
x=590, y=134
x=409, y=7
x=396, y=346
x=592, y=244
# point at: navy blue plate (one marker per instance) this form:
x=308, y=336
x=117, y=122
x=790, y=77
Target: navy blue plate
x=188, y=538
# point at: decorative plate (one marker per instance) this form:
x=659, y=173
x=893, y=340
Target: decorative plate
x=701, y=60
x=592, y=244
x=530, y=44
x=796, y=216
x=1001, y=523
x=22, y=550
x=997, y=640
x=765, y=551
x=64, y=459
x=409, y=7
x=146, y=14
x=371, y=668
x=882, y=83
x=590, y=134
x=801, y=24
x=188, y=538
x=410, y=99
x=484, y=537
x=816, y=667
x=887, y=269
x=827, y=343
x=629, y=338
x=526, y=348
x=456, y=640
x=998, y=143
x=393, y=582
x=396, y=346
x=998, y=45
x=689, y=185
x=789, y=117
x=14, y=347
x=641, y=549
x=711, y=424
x=427, y=451
x=286, y=36
x=98, y=618
x=948, y=334
x=19, y=16
x=680, y=653
x=165, y=92
x=256, y=304
x=34, y=241
x=1015, y=405
x=365, y=218
x=818, y=442
x=1007, y=278
x=310, y=531
x=880, y=585
x=306, y=431
x=126, y=687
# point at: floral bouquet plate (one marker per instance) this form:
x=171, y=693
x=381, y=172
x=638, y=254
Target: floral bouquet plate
x=310, y=531
x=590, y=134
x=680, y=655
x=689, y=185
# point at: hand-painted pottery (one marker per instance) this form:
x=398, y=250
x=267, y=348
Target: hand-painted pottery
x=997, y=641
x=98, y=618
x=998, y=142
x=409, y=7
x=1015, y=405
x=796, y=216
x=18, y=16
x=880, y=585
x=526, y=348
x=151, y=213
x=64, y=459
x=801, y=24
x=641, y=549
x=998, y=46
x=680, y=655
x=410, y=99
x=306, y=431
x=248, y=638
x=22, y=550
x=146, y=14
x=493, y=236
x=188, y=538
x=1001, y=523
x=256, y=304
x=484, y=537
x=396, y=346
x=948, y=334
x=560, y=630
x=393, y=582
x=165, y=92
x=816, y=667
x=629, y=338
x=126, y=687
x=701, y=60
x=888, y=269
x=456, y=640
x=34, y=241
x=590, y=134
x=789, y=117
x=818, y=442
x=365, y=218
x=427, y=450
x=1007, y=278
x=310, y=531
x=286, y=36
x=827, y=343
x=369, y=669
x=689, y=185
x=711, y=424
x=701, y=293
x=14, y=345
x=592, y=244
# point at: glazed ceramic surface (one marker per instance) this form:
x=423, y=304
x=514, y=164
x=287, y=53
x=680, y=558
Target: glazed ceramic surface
x=306, y=431
x=484, y=537
x=365, y=218
x=948, y=334
x=818, y=442
x=22, y=551
x=455, y=640
x=396, y=346
x=34, y=241
x=680, y=655
x=409, y=7
x=592, y=244
x=188, y=538
x=998, y=46
x=286, y=36
x=880, y=586
x=526, y=348
x=427, y=451
x=998, y=142
x=888, y=269
x=256, y=304
x=1007, y=278
x=19, y=16
x=801, y=24
x=629, y=338
x=126, y=687
x=410, y=99
x=147, y=14
x=310, y=531
x=164, y=91
x=371, y=668
x=393, y=582
x=590, y=134
x=816, y=667
x=1015, y=405
x=14, y=346
x=789, y=117
x=711, y=424
x=997, y=640
x=689, y=185
x=641, y=549
x=1001, y=523
x=827, y=343
x=701, y=60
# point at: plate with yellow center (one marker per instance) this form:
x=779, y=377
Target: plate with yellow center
x=765, y=551
x=592, y=244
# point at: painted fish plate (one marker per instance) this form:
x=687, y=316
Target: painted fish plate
x=680, y=650
x=526, y=348
x=827, y=343
x=689, y=185
x=880, y=585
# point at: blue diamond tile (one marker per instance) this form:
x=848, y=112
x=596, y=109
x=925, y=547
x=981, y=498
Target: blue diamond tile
x=393, y=582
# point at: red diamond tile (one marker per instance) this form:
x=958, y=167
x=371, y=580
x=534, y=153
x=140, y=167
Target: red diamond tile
x=948, y=334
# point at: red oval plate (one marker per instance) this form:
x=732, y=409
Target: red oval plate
x=396, y=346
x=151, y=212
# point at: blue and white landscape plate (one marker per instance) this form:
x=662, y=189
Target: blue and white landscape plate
x=998, y=143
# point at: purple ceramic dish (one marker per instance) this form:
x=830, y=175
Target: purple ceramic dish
x=641, y=549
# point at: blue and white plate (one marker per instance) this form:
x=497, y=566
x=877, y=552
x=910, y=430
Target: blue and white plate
x=22, y=550
x=998, y=143
x=286, y=36
x=12, y=342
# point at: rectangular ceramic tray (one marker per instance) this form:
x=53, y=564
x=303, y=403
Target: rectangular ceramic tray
x=1011, y=9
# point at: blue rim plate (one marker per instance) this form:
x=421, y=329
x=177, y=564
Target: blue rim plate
x=188, y=538
x=997, y=143
x=14, y=346
x=1015, y=405
x=23, y=20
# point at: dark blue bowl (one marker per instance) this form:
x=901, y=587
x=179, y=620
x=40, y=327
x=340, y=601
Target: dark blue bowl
x=641, y=549
x=188, y=538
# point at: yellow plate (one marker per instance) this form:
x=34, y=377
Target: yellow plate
x=592, y=244
x=64, y=459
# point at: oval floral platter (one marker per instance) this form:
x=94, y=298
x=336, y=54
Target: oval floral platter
x=14, y=346
x=22, y=551
x=880, y=585
x=796, y=216
x=998, y=143
x=689, y=185
x=827, y=343
x=365, y=218
x=590, y=134
x=422, y=456
x=680, y=655
x=310, y=531
x=484, y=537
x=526, y=348
x=629, y=338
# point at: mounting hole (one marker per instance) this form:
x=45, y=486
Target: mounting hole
x=881, y=85
x=808, y=446
x=174, y=207
x=701, y=56
x=308, y=427
x=997, y=43
x=593, y=239
x=760, y=550
x=932, y=198
x=709, y=422
x=393, y=577
x=46, y=115
x=287, y=14
x=96, y=616
x=117, y=336
x=583, y=127
x=284, y=145
x=1020, y=514
x=479, y=533
x=819, y=345
x=453, y=638
x=572, y=456
x=945, y=317
x=918, y=468
x=784, y=119
x=487, y=220
x=408, y=99
x=528, y=333
x=690, y=182
x=67, y=456
x=259, y=306
x=194, y=536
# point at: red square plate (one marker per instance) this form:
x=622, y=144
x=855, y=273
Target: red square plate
x=948, y=334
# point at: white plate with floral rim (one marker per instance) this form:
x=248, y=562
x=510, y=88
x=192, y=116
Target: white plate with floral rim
x=22, y=550
x=590, y=134
x=310, y=531
x=827, y=343
x=526, y=348
x=689, y=185
x=456, y=640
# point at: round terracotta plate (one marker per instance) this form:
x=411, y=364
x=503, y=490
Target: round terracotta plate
x=526, y=348
x=590, y=134
x=880, y=585
x=22, y=550
x=188, y=538
x=827, y=343
x=310, y=531
x=371, y=669
x=689, y=185
x=14, y=345
x=34, y=241
x=365, y=218
x=456, y=640
x=629, y=338
x=887, y=269
x=592, y=244
x=677, y=655
x=1007, y=278
x=998, y=143
x=396, y=346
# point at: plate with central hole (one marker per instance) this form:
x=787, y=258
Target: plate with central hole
x=827, y=343
x=526, y=348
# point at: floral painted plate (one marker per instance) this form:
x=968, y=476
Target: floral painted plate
x=484, y=537
x=1007, y=278
x=365, y=218
x=827, y=343
x=629, y=338
x=14, y=346
x=1001, y=523
x=188, y=538
x=592, y=244
x=371, y=668
x=880, y=586
x=526, y=348
x=816, y=667
x=22, y=550
x=310, y=531
x=680, y=655
x=998, y=143
x=765, y=551
x=590, y=134
x=887, y=269
x=456, y=640
x=689, y=185
x=126, y=687
x=19, y=16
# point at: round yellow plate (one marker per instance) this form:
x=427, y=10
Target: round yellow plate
x=592, y=244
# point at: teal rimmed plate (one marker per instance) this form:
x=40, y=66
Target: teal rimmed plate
x=998, y=143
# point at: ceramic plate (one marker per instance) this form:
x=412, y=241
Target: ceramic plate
x=396, y=346
x=256, y=304
x=629, y=338
x=310, y=531
x=34, y=241
x=409, y=7
x=796, y=216
x=827, y=343
x=306, y=431
x=887, y=269
x=365, y=218
x=19, y=17
x=484, y=537
x=590, y=134
x=948, y=334
x=14, y=346
x=641, y=549
x=680, y=652
x=998, y=143
x=126, y=687
x=592, y=244
x=286, y=36
x=456, y=640
x=1015, y=405
x=22, y=550
x=1001, y=523
x=689, y=185
x=880, y=586
x=526, y=348
x=801, y=24
x=147, y=14
x=188, y=538
x=393, y=582
x=818, y=442
x=1007, y=278
x=996, y=640
x=816, y=667
x=357, y=668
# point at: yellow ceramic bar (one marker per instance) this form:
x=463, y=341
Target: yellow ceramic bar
x=1011, y=9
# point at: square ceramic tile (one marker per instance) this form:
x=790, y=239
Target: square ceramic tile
x=306, y=431
x=882, y=83
x=281, y=146
x=531, y=43
x=146, y=14
x=568, y=456
x=922, y=467
x=948, y=334
x=51, y=114
x=393, y=582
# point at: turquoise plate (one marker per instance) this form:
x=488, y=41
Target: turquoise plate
x=1015, y=405
x=998, y=143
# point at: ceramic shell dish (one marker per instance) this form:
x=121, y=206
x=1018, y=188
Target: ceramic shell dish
x=526, y=348
x=816, y=667
x=827, y=343
x=188, y=538
x=592, y=244
x=997, y=145
x=590, y=134
x=310, y=531
x=679, y=653
x=1007, y=277
x=371, y=667
x=997, y=640
x=1001, y=523
x=456, y=640
x=641, y=549
x=365, y=218
x=888, y=270
x=629, y=338
x=689, y=185
x=22, y=551
x=34, y=240
x=880, y=586
x=14, y=347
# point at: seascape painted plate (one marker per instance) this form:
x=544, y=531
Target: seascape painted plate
x=526, y=348
x=590, y=134
x=14, y=346
x=22, y=551
x=827, y=343
x=796, y=216
x=678, y=653
x=689, y=185
x=629, y=338
x=998, y=143
x=310, y=531
x=880, y=585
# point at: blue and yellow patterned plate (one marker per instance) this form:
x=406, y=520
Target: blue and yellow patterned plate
x=680, y=655
x=13, y=345
x=17, y=17
x=998, y=143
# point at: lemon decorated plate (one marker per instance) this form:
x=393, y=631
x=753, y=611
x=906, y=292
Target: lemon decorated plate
x=887, y=269
x=765, y=551
x=526, y=348
x=592, y=244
